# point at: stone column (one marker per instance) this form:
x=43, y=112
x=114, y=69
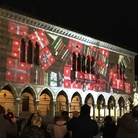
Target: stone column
x=115, y=112
x=36, y=102
x=125, y=109
x=94, y=111
x=106, y=111
x=68, y=107
x=53, y=108
x=17, y=107
x=121, y=111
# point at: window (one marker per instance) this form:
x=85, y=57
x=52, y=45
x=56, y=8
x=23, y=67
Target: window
x=30, y=53
x=36, y=54
x=22, y=51
x=25, y=103
x=74, y=62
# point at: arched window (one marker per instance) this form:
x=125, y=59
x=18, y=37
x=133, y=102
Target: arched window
x=74, y=61
x=88, y=64
x=92, y=65
x=79, y=62
x=36, y=54
x=83, y=63
x=30, y=51
x=22, y=50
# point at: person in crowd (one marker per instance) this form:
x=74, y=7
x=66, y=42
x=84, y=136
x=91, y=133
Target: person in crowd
x=28, y=123
x=109, y=128
x=59, y=127
x=128, y=125
x=34, y=130
x=65, y=115
x=83, y=126
x=9, y=117
x=31, y=125
x=75, y=114
x=8, y=110
x=7, y=127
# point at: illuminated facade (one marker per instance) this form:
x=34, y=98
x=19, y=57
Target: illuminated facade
x=49, y=68
x=135, y=90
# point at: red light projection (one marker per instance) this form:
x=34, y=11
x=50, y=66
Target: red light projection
x=18, y=29
x=39, y=57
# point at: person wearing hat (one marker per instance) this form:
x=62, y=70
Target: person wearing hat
x=83, y=126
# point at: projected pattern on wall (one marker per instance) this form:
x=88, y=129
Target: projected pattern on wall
x=39, y=57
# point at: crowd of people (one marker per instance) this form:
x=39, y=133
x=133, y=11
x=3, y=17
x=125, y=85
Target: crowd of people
x=79, y=126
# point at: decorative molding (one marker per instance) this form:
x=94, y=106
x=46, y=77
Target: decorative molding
x=10, y=15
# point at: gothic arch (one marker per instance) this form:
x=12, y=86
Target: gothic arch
x=61, y=102
x=89, y=99
x=111, y=102
x=76, y=102
x=121, y=102
x=100, y=101
x=48, y=88
x=31, y=89
x=11, y=89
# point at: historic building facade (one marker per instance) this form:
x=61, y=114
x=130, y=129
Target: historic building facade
x=48, y=68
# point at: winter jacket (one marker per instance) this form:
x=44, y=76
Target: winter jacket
x=6, y=127
x=29, y=126
x=82, y=127
x=128, y=127
x=33, y=132
x=109, y=130
x=59, y=129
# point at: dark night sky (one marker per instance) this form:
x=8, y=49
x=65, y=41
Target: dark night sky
x=110, y=21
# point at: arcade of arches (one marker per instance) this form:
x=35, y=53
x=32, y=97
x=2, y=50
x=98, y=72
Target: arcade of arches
x=26, y=99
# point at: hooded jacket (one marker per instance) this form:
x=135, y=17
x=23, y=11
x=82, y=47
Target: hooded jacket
x=33, y=132
x=59, y=129
x=83, y=126
x=6, y=127
x=109, y=130
x=128, y=127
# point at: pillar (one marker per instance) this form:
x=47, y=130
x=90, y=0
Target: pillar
x=68, y=107
x=17, y=107
x=94, y=111
x=36, y=102
x=53, y=108
x=106, y=111
x=115, y=112
x=125, y=109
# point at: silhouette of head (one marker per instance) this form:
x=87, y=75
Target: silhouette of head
x=8, y=110
x=64, y=113
x=135, y=111
x=108, y=119
x=85, y=109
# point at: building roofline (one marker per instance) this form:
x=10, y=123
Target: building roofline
x=63, y=32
